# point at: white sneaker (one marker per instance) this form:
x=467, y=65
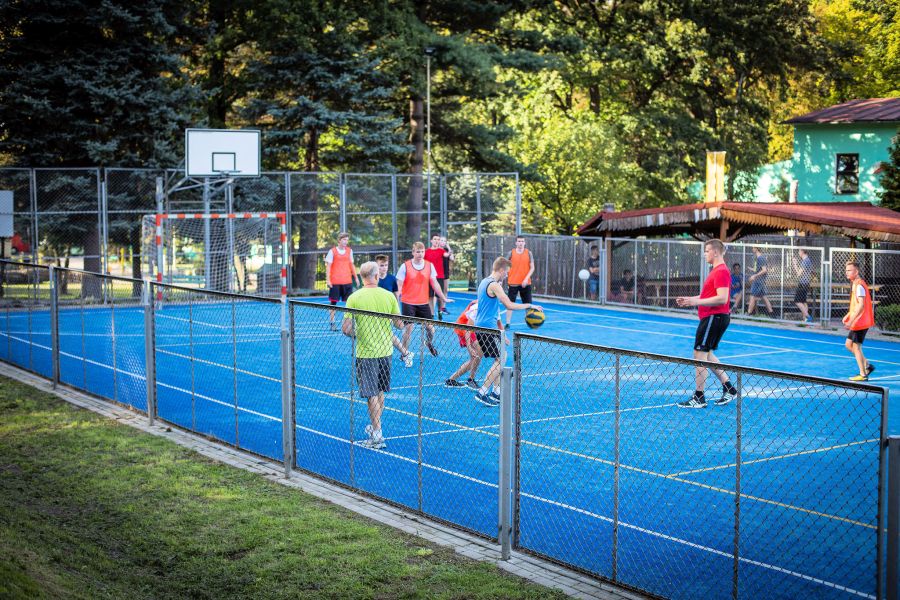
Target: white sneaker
x=373, y=442
x=408, y=359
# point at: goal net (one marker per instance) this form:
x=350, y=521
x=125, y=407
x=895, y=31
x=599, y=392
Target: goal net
x=242, y=252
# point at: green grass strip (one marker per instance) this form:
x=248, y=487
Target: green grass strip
x=93, y=509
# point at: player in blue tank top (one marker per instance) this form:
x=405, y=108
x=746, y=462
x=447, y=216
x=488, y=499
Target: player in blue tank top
x=490, y=297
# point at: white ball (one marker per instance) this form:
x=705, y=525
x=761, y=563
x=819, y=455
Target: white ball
x=584, y=275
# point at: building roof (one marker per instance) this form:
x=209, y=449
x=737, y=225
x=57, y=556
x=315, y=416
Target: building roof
x=872, y=110
x=741, y=219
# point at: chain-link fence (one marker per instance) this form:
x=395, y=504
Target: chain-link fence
x=799, y=284
x=776, y=493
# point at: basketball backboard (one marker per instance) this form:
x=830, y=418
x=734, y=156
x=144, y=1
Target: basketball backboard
x=221, y=152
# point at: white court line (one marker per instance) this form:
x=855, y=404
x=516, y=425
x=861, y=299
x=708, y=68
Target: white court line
x=771, y=458
x=709, y=549
x=730, y=342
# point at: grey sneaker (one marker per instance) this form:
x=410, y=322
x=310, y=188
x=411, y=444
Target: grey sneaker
x=694, y=402
x=373, y=442
x=453, y=383
x=473, y=384
x=486, y=399
x=408, y=359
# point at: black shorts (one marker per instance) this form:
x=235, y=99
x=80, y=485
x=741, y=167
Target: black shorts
x=710, y=332
x=858, y=336
x=490, y=344
x=515, y=290
x=440, y=281
x=416, y=310
x=800, y=294
x=373, y=375
x=339, y=292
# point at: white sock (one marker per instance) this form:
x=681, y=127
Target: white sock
x=484, y=389
x=377, y=434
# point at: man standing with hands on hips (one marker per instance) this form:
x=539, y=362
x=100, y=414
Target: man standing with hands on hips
x=713, y=309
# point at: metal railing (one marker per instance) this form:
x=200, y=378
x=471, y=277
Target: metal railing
x=583, y=460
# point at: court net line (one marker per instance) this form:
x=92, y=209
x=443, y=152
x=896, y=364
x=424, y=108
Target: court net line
x=690, y=544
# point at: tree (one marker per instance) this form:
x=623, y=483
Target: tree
x=890, y=177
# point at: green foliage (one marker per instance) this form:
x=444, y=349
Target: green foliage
x=887, y=317
x=890, y=177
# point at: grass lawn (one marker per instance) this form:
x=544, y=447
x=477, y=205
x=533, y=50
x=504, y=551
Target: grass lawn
x=93, y=509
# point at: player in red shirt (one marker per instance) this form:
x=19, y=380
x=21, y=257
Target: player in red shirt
x=712, y=308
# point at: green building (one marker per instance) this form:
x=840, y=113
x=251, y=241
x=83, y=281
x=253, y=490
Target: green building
x=838, y=150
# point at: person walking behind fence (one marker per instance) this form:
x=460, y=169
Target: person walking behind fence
x=712, y=308
x=593, y=267
x=522, y=268
x=448, y=258
x=803, y=268
x=858, y=319
x=415, y=277
x=490, y=296
x=340, y=273
x=373, y=347
x=737, y=287
x=758, y=283
x=436, y=255
x=467, y=340
x=388, y=282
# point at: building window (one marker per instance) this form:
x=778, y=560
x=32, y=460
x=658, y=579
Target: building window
x=846, y=180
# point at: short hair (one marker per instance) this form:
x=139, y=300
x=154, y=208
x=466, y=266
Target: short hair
x=717, y=244
x=803, y=250
x=733, y=265
x=436, y=235
x=343, y=235
x=368, y=270
x=418, y=246
x=520, y=237
x=626, y=271
x=381, y=258
x=501, y=262
x=853, y=263
x=594, y=247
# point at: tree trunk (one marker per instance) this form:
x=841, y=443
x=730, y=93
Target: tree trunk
x=416, y=161
x=306, y=262
x=217, y=90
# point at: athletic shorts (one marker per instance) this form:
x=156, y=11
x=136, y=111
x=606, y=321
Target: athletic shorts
x=758, y=288
x=373, y=375
x=858, y=336
x=490, y=344
x=710, y=332
x=515, y=290
x=339, y=292
x=416, y=310
x=800, y=294
x=440, y=281
x=470, y=335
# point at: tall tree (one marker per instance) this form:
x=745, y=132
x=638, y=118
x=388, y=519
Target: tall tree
x=890, y=177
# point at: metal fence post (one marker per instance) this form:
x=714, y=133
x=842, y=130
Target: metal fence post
x=287, y=389
x=616, y=430
x=289, y=228
x=149, y=348
x=518, y=206
x=394, y=235
x=516, y=437
x=54, y=326
x=479, y=267
x=342, y=209
x=737, y=486
x=893, y=518
x=503, y=525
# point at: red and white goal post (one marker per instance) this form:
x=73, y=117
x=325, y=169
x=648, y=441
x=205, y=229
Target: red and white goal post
x=231, y=252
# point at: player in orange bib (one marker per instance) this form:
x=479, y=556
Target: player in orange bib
x=519, y=278
x=340, y=272
x=858, y=319
x=468, y=341
x=415, y=277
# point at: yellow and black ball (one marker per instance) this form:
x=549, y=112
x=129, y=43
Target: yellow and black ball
x=534, y=318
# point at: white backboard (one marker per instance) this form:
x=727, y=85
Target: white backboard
x=6, y=214
x=221, y=152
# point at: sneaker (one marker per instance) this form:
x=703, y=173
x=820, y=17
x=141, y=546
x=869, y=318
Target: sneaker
x=694, y=402
x=725, y=398
x=408, y=359
x=453, y=383
x=486, y=399
x=333, y=327
x=445, y=311
x=431, y=349
x=495, y=395
x=810, y=320
x=508, y=326
x=378, y=444
x=859, y=378
x=870, y=368
x=473, y=384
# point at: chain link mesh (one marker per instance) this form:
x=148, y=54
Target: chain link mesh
x=776, y=490
x=880, y=269
x=25, y=302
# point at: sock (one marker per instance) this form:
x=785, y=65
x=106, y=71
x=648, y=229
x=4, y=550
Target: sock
x=729, y=388
x=484, y=390
x=699, y=395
